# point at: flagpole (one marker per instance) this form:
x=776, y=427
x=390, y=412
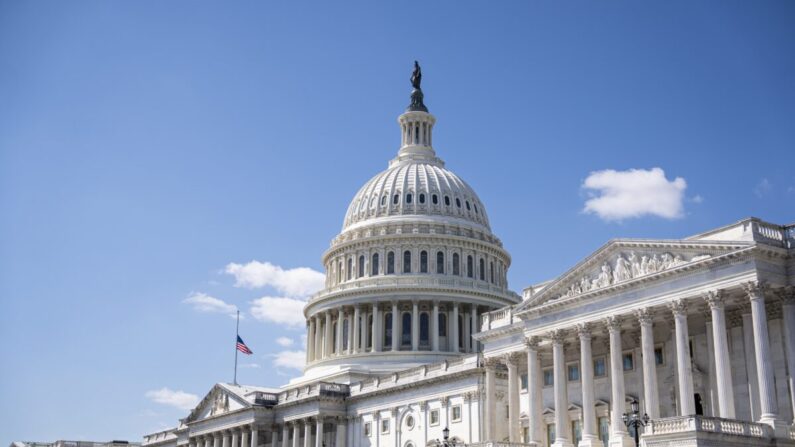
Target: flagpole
x=237, y=334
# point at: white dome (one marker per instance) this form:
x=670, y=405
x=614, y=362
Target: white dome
x=416, y=188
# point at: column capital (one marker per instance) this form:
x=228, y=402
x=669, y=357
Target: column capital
x=557, y=336
x=511, y=359
x=678, y=307
x=716, y=299
x=644, y=315
x=755, y=289
x=613, y=323
x=491, y=362
x=532, y=342
x=584, y=330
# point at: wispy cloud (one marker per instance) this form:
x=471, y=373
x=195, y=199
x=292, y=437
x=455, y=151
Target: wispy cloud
x=177, y=399
x=763, y=188
x=284, y=311
x=202, y=302
x=250, y=365
x=296, y=282
x=618, y=195
x=290, y=359
x=284, y=341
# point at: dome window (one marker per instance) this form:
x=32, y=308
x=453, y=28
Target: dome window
x=482, y=270
x=476, y=207
x=439, y=262
x=390, y=263
x=349, y=271
x=374, y=265
x=467, y=204
x=435, y=199
x=447, y=200
x=361, y=267
x=458, y=202
x=383, y=201
x=422, y=198
x=423, y=261
x=406, y=261
x=395, y=199
x=408, y=198
x=456, y=265
x=469, y=266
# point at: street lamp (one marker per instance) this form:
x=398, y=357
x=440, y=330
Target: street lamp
x=446, y=439
x=633, y=419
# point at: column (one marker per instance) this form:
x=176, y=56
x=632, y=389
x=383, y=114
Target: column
x=534, y=395
x=560, y=387
x=356, y=330
x=454, y=326
x=327, y=336
x=512, y=362
x=378, y=334
x=683, y=365
x=395, y=327
x=618, y=431
x=296, y=433
x=475, y=326
x=491, y=399
x=750, y=361
x=217, y=439
x=723, y=373
x=435, y=326
x=319, y=431
x=225, y=438
x=767, y=393
x=208, y=441
x=415, y=325
x=349, y=350
x=711, y=403
x=285, y=435
x=318, y=339
x=365, y=330
x=465, y=332
x=254, y=436
x=235, y=438
x=590, y=435
x=787, y=296
x=274, y=436
x=310, y=341
x=650, y=390
x=244, y=431
x=342, y=432
x=340, y=318
x=308, y=433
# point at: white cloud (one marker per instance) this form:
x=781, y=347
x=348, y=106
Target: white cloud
x=250, y=365
x=284, y=341
x=285, y=311
x=763, y=187
x=290, y=359
x=178, y=399
x=297, y=282
x=206, y=303
x=634, y=193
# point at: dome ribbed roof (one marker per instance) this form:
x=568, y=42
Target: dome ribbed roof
x=416, y=188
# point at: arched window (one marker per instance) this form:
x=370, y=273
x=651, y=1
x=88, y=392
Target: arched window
x=406, y=261
x=442, y=325
x=458, y=202
x=339, y=273
x=467, y=203
x=405, y=338
x=423, y=261
x=461, y=340
x=435, y=199
x=422, y=199
x=439, y=262
x=383, y=200
x=417, y=134
x=476, y=207
x=361, y=266
x=369, y=331
x=447, y=200
x=408, y=198
x=387, y=329
x=349, y=274
x=482, y=270
x=395, y=199
x=470, y=267
x=345, y=336
x=334, y=337
x=491, y=271
x=374, y=265
x=456, y=264
x=424, y=329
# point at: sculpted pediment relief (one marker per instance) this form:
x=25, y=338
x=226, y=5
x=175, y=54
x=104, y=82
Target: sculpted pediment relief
x=217, y=402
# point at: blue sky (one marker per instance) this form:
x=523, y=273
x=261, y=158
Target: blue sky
x=150, y=151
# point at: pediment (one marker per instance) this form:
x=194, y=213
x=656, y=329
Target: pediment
x=219, y=400
x=620, y=262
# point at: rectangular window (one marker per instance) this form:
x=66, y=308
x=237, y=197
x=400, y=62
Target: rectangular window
x=524, y=382
x=604, y=430
x=629, y=361
x=658, y=356
x=367, y=428
x=549, y=377
x=456, y=413
x=599, y=367
x=434, y=417
x=550, y=434
x=576, y=431
x=573, y=371
x=385, y=426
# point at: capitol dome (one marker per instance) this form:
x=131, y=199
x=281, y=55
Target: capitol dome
x=411, y=272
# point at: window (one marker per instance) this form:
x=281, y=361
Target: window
x=470, y=267
x=383, y=200
x=361, y=266
x=573, y=372
x=456, y=413
x=435, y=199
x=410, y=422
x=374, y=265
x=628, y=361
x=604, y=430
x=482, y=270
x=390, y=263
x=576, y=431
x=549, y=377
x=423, y=261
x=384, y=426
x=422, y=198
x=395, y=199
x=599, y=367
x=456, y=266
x=442, y=325
x=523, y=380
x=447, y=200
x=491, y=268
x=425, y=328
x=408, y=198
x=387, y=330
x=476, y=207
x=350, y=268
x=458, y=202
x=345, y=332
x=368, y=428
x=406, y=261
x=658, y=356
x=467, y=204
x=339, y=273
x=439, y=262
x=434, y=417
x=405, y=338
x=551, y=434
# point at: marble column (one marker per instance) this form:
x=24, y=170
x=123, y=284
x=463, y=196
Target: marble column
x=618, y=431
x=454, y=326
x=560, y=389
x=208, y=441
x=512, y=361
x=590, y=433
x=356, y=330
x=217, y=439
x=475, y=326
x=341, y=432
x=244, y=442
x=711, y=401
x=435, y=327
x=365, y=330
x=227, y=438
x=415, y=325
x=534, y=394
x=467, y=337
x=310, y=341
x=377, y=333
x=491, y=400
x=787, y=296
x=349, y=348
x=395, y=327
x=650, y=391
x=235, y=438
x=285, y=435
x=340, y=321
x=254, y=436
x=319, y=431
x=327, y=338
x=296, y=433
x=318, y=339
x=308, y=433
x=723, y=372
x=767, y=393
x=683, y=366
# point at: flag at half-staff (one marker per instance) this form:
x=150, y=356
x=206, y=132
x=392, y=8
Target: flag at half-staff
x=241, y=346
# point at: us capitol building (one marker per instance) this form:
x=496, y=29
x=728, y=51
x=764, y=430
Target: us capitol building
x=416, y=331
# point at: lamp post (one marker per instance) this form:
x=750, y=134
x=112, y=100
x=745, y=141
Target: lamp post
x=446, y=439
x=634, y=420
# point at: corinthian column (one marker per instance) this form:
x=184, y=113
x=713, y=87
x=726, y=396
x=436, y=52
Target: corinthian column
x=767, y=396
x=787, y=296
x=340, y=320
x=534, y=396
x=684, y=368
x=378, y=336
x=310, y=341
x=395, y=327
x=491, y=399
x=590, y=437
x=435, y=327
x=308, y=433
x=415, y=325
x=649, y=363
x=618, y=433
x=512, y=361
x=723, y=371
x=356, y=330
x=454, y=326
x=560, y=386
x=327, y=336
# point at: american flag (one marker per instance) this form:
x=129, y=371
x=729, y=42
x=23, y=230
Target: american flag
x=241, y=346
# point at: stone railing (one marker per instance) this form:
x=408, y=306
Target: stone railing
x=415, y=280
x=497, y=318
x=683, y=424
x=502, y=444
x=313, y=390
x=773, y=234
